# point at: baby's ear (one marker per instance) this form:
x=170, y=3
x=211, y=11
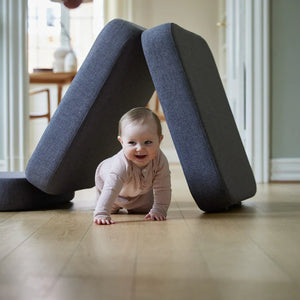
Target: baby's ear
x=161, y=138
x=120, y=140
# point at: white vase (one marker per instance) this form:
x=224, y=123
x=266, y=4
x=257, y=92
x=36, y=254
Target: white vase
x=59, y=59
x=70, y=63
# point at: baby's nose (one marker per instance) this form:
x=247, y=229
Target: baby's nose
x=139, y=147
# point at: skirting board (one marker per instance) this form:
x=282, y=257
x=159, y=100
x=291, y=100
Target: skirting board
x=285, y=169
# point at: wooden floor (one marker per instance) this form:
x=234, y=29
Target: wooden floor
x=250, y=253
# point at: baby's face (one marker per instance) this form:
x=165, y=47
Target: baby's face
x=140, y=142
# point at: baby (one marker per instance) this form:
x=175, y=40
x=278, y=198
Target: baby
x=137, y=178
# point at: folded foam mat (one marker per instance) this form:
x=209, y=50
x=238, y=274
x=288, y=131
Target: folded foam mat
x=83, y=131
x=16, y=193
x=199, y=117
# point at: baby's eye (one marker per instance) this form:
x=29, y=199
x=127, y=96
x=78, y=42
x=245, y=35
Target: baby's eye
x=148, y=142
x=131, y=143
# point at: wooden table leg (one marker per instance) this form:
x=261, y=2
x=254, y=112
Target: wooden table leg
x=59, y=93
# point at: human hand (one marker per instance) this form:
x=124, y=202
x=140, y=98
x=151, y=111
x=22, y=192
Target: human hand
x=155, y=217
x=103, y=220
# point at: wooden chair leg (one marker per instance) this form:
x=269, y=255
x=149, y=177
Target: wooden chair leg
x=157, y=109
x=46, y=115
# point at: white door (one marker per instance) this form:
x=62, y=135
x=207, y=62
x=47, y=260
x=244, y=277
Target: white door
x=247, y=77
x=235, y=71
x=222, y=41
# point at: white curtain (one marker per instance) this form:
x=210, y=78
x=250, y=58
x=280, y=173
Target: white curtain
x=14, y=85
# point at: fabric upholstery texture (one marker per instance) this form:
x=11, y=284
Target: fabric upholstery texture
x=199, y=117
x=16, y=193
x=83, y=131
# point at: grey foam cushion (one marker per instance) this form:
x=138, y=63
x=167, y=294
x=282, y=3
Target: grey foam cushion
x=198, y=116
x=16, y=193
x=83, y=131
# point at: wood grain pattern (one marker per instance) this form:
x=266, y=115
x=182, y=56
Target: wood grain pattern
x=247, y=253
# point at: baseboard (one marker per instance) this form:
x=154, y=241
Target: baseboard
x=285, y=169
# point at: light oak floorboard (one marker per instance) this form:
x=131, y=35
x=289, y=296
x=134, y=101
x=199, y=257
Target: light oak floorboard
x=250, y=252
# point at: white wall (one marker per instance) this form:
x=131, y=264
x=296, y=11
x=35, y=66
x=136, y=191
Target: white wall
x=285, y=90
x=285, y=79
x=199, y=16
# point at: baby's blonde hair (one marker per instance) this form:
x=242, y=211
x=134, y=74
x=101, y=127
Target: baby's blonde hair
x=140, y=114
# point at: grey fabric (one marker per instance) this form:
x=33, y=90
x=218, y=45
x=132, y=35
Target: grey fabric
x=199, y=117
x=16, y=193
x=83, y=131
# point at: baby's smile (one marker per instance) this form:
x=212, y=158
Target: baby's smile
x=140, y=156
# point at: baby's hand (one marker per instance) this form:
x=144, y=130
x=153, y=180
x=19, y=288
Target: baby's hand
x=103, y=220
x=155, y=217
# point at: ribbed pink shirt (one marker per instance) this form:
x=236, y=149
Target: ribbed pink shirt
x=118, y=176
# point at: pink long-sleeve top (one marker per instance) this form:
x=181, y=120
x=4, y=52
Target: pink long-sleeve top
x=118, y=176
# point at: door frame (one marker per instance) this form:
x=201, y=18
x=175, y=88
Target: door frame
x=248, y=78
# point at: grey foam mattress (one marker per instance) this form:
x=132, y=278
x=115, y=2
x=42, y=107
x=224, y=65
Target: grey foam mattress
x=199, y=117
x=16, y=193
x=83, y=131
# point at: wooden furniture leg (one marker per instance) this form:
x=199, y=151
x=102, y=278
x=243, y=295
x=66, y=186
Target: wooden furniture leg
x=157, y=109
x=46, y=115
x=59, y=93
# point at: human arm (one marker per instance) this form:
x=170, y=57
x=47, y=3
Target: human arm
x=109, y=181
x=161, y=191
